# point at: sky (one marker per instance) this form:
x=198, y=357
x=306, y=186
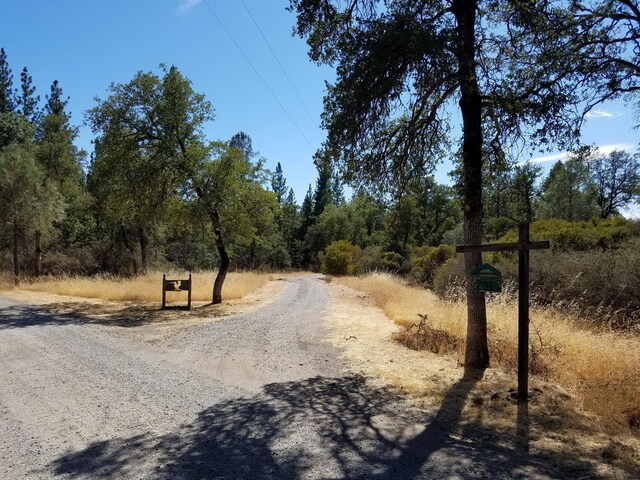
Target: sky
x=240, y=53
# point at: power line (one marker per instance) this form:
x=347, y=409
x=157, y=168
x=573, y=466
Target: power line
x=280, y=64
x=257, y=73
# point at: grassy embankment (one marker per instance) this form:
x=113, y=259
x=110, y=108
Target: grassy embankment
x=145, y=288
x=601, y=368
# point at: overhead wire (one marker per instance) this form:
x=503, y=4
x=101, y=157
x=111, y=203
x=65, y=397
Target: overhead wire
x=273, y=53
x=257, y=72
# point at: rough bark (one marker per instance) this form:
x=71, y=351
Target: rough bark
x=224, y=258
x=476, y=352
x=129, y=247
x=15, y=252
x=144, y=250
x=38, y=260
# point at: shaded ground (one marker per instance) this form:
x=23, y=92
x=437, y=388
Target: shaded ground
x=258, y=395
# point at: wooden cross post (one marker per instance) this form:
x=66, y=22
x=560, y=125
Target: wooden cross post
x=523, y=246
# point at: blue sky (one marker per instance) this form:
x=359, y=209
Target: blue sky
x=87, y=44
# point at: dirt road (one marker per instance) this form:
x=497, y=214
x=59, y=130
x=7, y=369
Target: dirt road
x=260, y=395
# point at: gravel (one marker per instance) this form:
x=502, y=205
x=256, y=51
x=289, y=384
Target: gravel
x=257, y=396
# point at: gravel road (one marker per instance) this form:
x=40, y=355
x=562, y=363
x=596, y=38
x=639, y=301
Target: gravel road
x=251, y=396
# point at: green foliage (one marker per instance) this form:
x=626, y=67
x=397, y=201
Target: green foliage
x=449, y=279
x=338, y=258
x=369, y=260
x=392, y=261
x=568, y=192
x=617, y=180
x=426, y=261
x=565, y=235
x=231, y=187
x=15, y=129
x=600, y=286
x=7, y=102
x=28, y=203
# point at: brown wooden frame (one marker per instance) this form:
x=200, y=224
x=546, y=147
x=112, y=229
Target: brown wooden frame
x=176, y=286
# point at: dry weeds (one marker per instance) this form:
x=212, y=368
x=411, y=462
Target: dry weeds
x=145, y=288
x=601, y=368
x=551, y=426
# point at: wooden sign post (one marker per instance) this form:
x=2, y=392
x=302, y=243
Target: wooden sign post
x=523, y=246
x=176, y=286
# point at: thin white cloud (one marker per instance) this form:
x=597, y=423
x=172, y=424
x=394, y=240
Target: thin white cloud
x=186, y=5
x=599, y=113
x=602, y=149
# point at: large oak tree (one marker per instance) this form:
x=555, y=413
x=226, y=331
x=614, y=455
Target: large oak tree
x=407, y=71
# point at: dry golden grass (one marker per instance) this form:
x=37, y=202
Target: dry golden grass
x=602, y=368
x=146, y=288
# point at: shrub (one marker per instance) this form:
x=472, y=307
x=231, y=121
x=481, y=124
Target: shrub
x=392, y=261
x=338, y=258
x=369, y=260
x=598, y=286
x=449, y=280
x=566, y=235
x=427, y=261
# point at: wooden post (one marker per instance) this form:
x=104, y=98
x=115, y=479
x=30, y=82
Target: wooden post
x=164, y=292
x=189, y=294
x=522, y=246
x=523, y=313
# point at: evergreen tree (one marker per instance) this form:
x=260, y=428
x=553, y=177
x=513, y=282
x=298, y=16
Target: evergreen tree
x=55, y=102
x=7, y=102
x=30, y=204
x=568, y=192
x=279, y=184
x=322, y=196
x=27, y=100
x=243, y=141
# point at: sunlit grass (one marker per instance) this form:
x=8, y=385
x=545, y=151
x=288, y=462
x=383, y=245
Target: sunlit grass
x=145, y=288
x=602, y=368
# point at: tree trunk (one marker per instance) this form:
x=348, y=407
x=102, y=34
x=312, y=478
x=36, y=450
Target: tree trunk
x=130, y=248
x=477, y=351
x=224, y=258
x=38, y=262
x=144, y=243
x=15, y=252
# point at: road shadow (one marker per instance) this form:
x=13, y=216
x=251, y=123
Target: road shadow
x=322, y=428
x=83, y=313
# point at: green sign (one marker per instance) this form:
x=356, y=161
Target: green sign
x=486, y=278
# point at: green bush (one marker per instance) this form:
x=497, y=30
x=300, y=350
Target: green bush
x=600, y=287
x=369, y=260
x=449, y=279
x=427, y=260
x=566, y=235
x=392, y=261
x=338, y=258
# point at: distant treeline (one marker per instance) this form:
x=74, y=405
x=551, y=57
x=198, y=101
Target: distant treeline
x=157, y=193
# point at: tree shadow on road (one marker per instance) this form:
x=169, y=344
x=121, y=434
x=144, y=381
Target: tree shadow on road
x=83, y=313
x=322, y=428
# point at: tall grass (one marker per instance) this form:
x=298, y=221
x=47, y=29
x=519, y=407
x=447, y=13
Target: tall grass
x=145, y=288
x=601, y=368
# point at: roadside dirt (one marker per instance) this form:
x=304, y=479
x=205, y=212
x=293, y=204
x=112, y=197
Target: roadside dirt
x=552, y=420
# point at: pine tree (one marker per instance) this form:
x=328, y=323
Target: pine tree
x=279, y=184
x=322, y=196
x=7, y=103
x=27, y=99
x=56, y=152
x=55, y=103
